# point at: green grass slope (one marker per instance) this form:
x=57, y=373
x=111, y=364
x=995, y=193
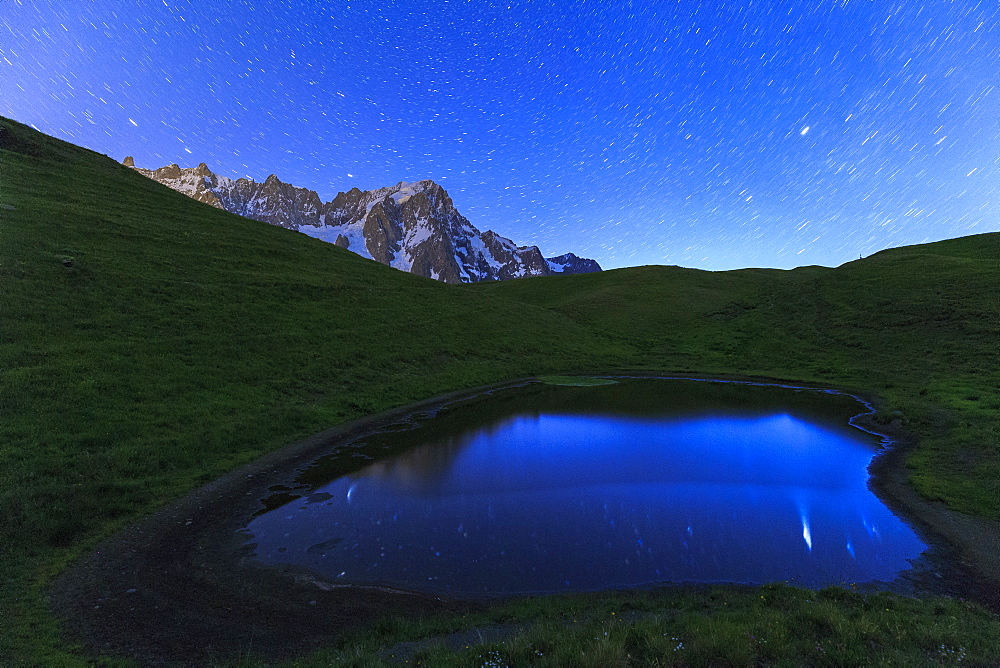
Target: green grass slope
x=150, y=343
x=919, y=326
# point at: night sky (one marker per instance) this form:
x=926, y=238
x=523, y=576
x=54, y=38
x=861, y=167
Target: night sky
x=706, y=134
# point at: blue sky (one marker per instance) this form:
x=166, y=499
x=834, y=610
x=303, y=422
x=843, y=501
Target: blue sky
x=706, y=134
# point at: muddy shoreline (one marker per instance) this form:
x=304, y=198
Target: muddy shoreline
x=180, y=587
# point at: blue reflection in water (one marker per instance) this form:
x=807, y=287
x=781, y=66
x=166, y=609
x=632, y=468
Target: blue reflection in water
x=550, y=502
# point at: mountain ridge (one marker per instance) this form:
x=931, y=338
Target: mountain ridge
x=413, y=227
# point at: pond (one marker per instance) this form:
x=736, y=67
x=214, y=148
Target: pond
x=546, y=488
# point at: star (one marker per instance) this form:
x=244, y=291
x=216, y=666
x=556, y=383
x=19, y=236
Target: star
x=618, y=132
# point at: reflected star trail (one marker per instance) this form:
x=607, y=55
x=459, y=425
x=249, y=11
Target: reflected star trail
x=577, y=499
x=706, y=134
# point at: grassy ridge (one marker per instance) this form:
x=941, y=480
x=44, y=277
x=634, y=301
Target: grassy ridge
x=150, y=343
x=919, y=326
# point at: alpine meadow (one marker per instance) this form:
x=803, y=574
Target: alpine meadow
x=151, y=344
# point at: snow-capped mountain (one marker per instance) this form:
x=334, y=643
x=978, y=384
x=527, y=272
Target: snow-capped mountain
x=414, y=227
x=571, y=264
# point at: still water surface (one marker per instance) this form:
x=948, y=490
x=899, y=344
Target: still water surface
x=544, y=489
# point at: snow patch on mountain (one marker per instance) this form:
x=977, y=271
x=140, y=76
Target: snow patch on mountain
x=352, y=235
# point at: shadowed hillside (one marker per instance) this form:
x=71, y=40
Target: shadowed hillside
x=150, y=343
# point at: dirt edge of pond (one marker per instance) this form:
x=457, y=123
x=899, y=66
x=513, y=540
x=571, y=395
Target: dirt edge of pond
x=964, y=556
x=179, y=586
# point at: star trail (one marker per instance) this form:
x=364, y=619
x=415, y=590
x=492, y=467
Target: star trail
x=706, y=134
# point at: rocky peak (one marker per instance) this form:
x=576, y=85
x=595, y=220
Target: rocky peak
x=171, y=171
x=129, y=161
x=569, y=263
x=413, y=227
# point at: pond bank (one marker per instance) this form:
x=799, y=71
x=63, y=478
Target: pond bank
x=180, y=586
x=964, y=555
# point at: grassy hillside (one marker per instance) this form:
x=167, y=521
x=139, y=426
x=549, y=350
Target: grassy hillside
x=150, y=343
x=919, y=326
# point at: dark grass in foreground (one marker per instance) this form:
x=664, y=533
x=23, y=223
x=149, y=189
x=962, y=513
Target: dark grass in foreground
x=151, y=343
x=771, y=625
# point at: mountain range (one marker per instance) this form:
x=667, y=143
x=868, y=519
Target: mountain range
x=413, y=227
